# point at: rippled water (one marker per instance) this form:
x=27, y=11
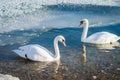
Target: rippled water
x=78, y=61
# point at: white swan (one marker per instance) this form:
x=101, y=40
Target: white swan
x=97, y=38
x=36, y=52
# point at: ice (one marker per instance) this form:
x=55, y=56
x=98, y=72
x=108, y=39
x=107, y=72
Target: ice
x=17, y=7
x=28, y=14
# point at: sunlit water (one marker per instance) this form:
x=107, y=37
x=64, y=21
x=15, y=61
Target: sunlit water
x=41, y=23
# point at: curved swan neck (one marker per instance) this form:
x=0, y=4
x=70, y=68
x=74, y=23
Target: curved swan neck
x=85, y=30
x=57, y=52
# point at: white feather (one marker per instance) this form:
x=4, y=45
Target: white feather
x=99, y=37
x=36, y=52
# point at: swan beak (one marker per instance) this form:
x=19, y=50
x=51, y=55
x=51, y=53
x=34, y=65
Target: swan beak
x=81, y=22
x=64, y=43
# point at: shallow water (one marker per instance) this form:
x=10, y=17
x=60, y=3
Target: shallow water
x=78, y=61
x=36, y=22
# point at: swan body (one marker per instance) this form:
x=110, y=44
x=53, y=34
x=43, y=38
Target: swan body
x=36, y=52
x=101, y=38
x=97, y=38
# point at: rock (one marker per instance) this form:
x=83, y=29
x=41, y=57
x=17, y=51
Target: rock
x=8, y=77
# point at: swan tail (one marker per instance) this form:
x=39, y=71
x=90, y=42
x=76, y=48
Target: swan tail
x=20, y=53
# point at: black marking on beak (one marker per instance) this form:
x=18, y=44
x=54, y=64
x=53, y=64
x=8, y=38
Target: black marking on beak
x=63, y=40
x=81, y=22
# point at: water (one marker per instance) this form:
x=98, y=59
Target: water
x=38, y=22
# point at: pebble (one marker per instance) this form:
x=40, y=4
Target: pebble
x=94, y=77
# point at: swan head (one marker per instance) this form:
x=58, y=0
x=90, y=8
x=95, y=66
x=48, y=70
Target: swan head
x=84, y=21
x=61, y=39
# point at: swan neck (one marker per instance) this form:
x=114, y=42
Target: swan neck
x=57, y=52
x=85, y=30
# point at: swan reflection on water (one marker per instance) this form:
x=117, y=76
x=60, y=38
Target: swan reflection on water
x=40, y=66
x=83, y=55
x=98, y=46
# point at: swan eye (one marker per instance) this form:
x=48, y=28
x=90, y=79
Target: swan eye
x=81, y=22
